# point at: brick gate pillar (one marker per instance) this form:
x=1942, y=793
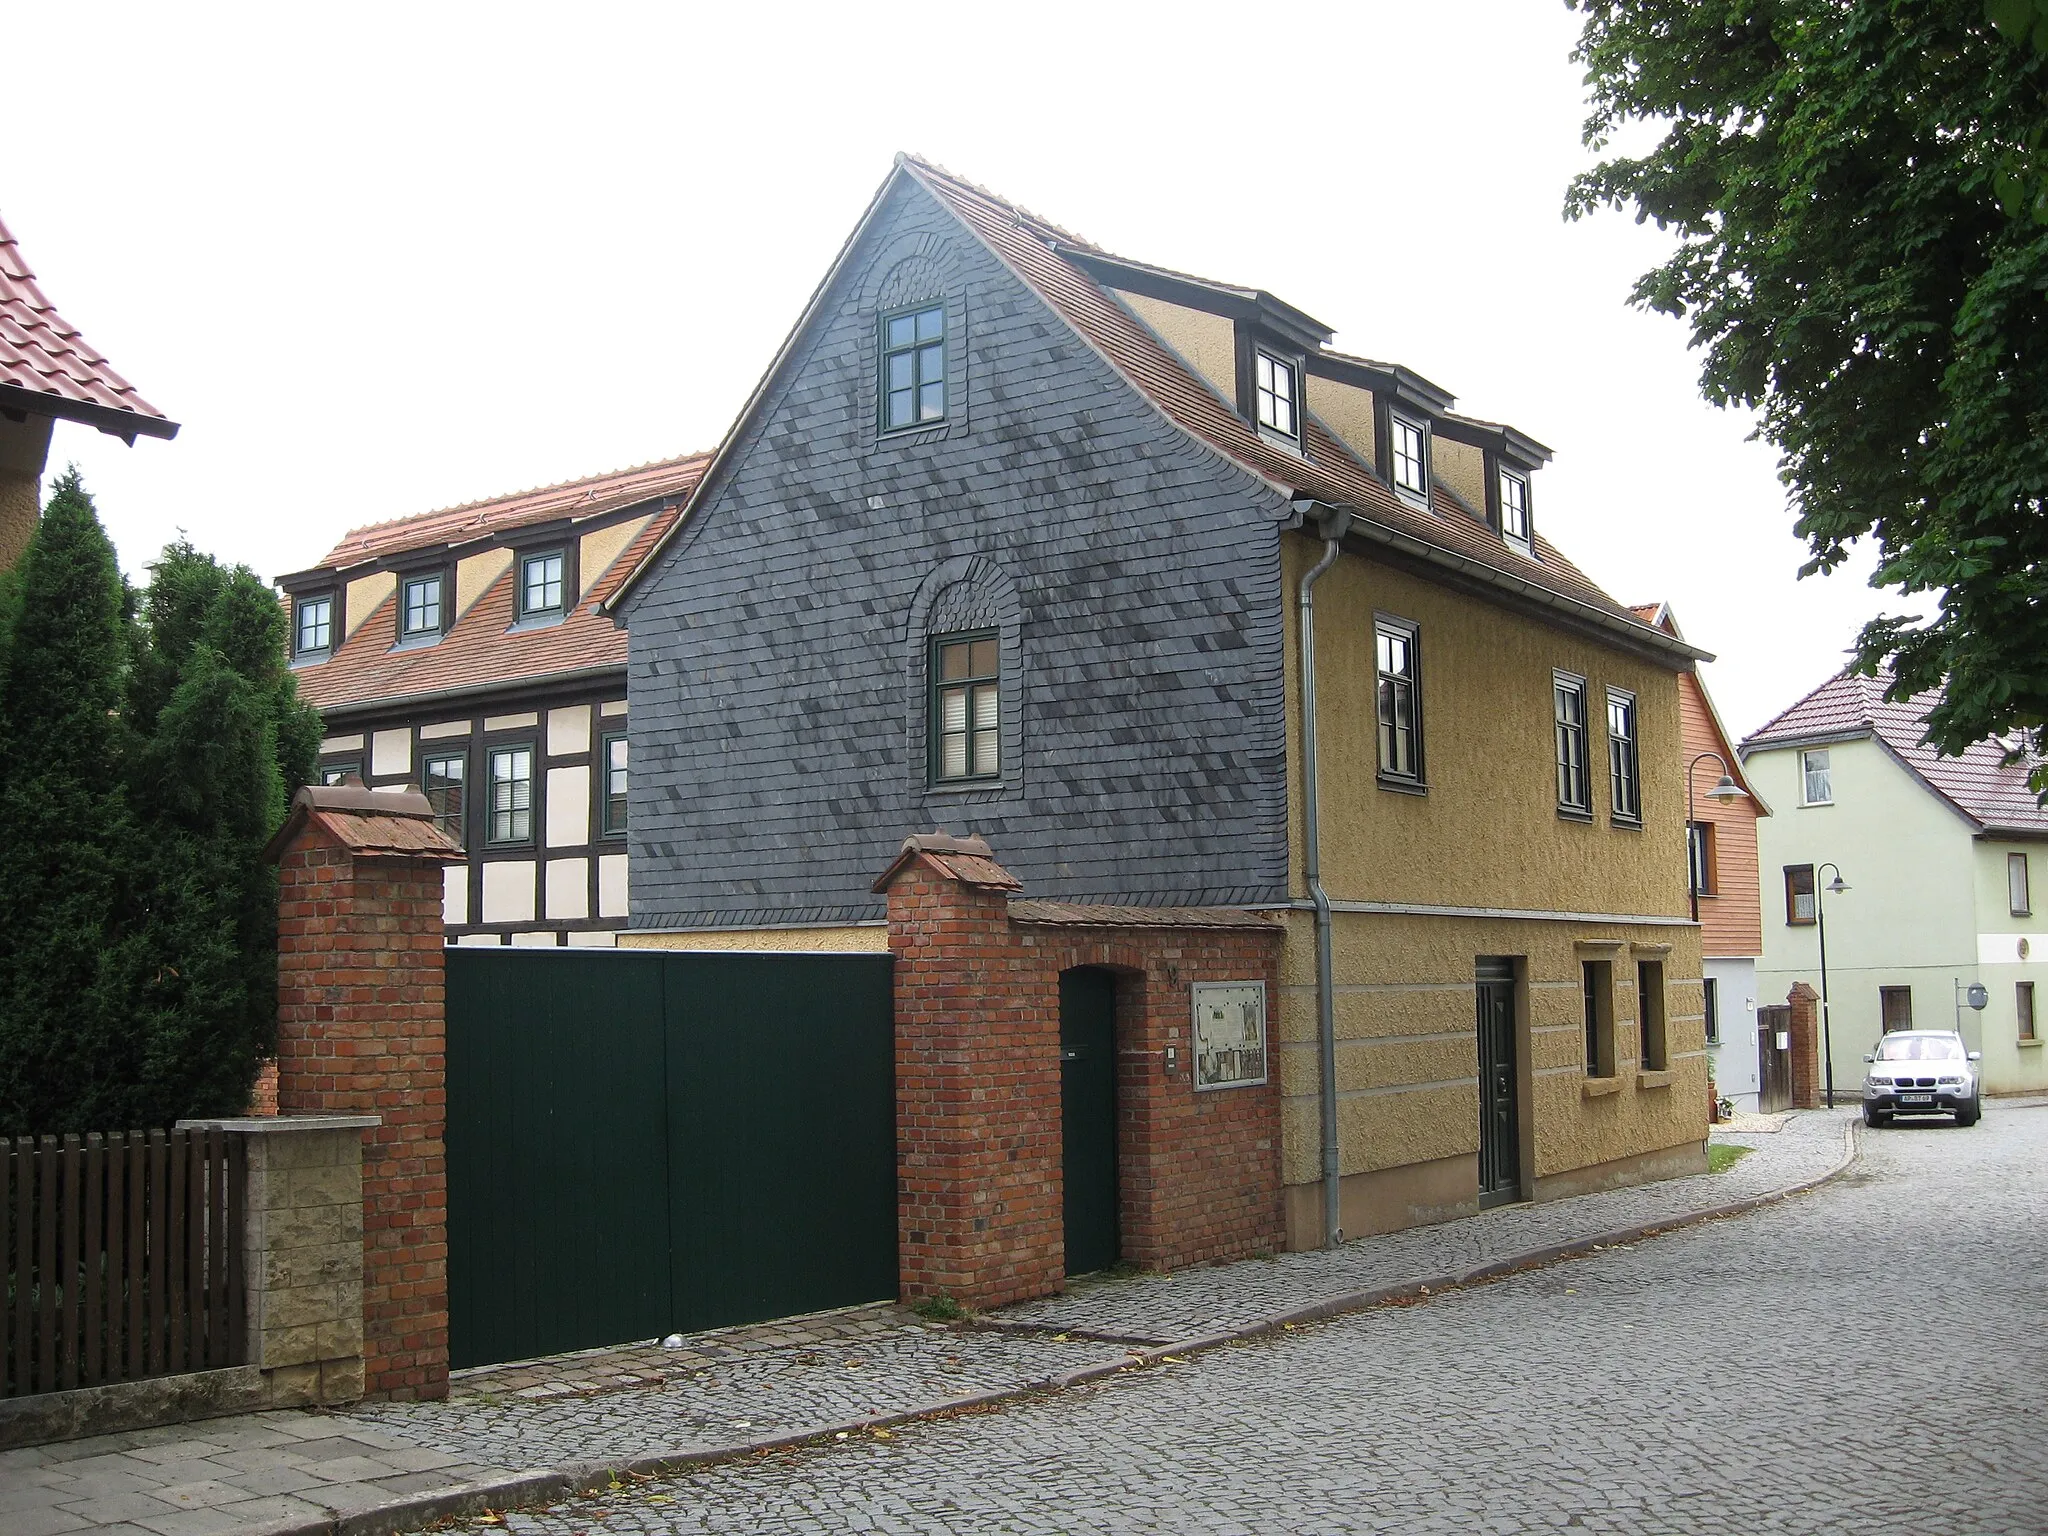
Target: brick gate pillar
x=978, y=1157
x=361, y=1032
x=1805, y=1027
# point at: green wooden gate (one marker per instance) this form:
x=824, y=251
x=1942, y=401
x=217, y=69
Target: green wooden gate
x=645, y=1142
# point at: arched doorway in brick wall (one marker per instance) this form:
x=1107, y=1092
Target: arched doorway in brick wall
x=1091, y=1190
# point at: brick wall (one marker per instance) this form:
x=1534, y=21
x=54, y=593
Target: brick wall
x=979, y=1141
x=361, y=1031
x=1805, y=1026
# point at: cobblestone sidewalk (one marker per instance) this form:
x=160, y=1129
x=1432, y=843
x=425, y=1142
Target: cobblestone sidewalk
x=519, y=1435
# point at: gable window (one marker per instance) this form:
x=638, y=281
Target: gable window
x=313, y=629
x=1273, y=388
x=1623, y=768
x=1400, y=703
x=1514, y=512
x=511, y=792
x=914, y=367
x=443, y=777
x=966, y=708
x=420, y=606
x=2019, y=898
x=613, y=822
x=2023, y=1008
x=1409, y=456
x=1574, y=790
x=1800, y=911
x=1699, y=856
x=1817, y=779
x=541, y=579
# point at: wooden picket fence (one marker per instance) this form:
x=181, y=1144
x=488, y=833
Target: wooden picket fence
x=123, y=1257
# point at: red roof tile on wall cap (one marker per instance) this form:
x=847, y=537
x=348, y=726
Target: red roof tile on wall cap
x=1981, y=785
x=965, y=859
x=47, y=368
x=589, y=496
x=370, y=823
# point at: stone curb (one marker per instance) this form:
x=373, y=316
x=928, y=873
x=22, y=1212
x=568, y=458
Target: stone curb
x=528, y=1490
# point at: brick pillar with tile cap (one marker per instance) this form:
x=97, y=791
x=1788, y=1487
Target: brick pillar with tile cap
x=361, y=1031
x=978, y=1148
x=1805, y=1027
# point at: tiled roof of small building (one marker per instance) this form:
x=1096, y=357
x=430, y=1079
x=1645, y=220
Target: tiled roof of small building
x=576, y=499
x=1981, y=784
x=46, y=366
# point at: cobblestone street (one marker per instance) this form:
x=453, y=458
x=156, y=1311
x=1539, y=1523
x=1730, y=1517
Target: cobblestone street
x=1867, y=1357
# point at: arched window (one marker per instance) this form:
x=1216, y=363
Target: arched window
x=964, y=659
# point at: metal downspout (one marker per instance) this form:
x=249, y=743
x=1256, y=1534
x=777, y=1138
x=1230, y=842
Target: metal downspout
x=1331, y=524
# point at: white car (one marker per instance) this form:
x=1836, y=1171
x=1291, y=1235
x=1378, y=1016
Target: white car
x=1922, y=1072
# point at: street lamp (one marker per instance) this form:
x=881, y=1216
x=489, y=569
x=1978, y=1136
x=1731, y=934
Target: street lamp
x=1834, y=887
x=1727, y=789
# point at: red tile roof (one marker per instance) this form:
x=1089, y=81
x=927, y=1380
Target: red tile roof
x=367, y=822
x=1981, y=783
x=46, y=366
x=577, y=499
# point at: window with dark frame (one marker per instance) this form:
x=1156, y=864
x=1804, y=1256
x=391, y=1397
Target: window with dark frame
x=1710, y=992
x=1800, y=908
x=444, y=778
x=1623, y=769
x=966, y=708
x=2023, y=1008
x=541, y=579
x=334, y=773
x=313, y=633
x=1409, y=456
x=1274, y=392
x=914, y=368
x=1597, y=986
x=1574, y=787
x=1699, y=856
x=613, y=756
x=2018, y=887
x=510, y=811
x=1895, y=1007
x=1514, y=511
x=1400, y=702
x=1651, y=1020
x=420, y=606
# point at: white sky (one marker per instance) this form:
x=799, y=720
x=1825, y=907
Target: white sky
x=384, y=258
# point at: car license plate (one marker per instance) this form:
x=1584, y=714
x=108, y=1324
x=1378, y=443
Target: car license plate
x=1916, y=1098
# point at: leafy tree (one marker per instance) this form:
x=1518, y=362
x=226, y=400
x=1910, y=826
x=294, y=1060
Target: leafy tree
x=62, y=820
x=1860, y=264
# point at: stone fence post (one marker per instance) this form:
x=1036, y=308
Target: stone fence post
x=1805, y=1024
x=361, y=1033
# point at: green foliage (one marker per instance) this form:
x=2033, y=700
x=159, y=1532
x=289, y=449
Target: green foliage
x=155, y=901
x=1855, y=268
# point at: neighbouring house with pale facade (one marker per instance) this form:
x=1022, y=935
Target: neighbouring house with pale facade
x=1017, y=537
x=48, y=374
x=461, y=651
x=1939, y=858
x=1721, y=872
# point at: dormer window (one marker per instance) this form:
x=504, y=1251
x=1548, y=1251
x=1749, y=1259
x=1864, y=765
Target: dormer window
x=1408, y=458
x=1514, y=513
x=914, y=368
x=313, y=626
x=542, y=583
x=420, y=607
x=1274, y=394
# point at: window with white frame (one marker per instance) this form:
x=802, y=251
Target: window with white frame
x=2018, y=887
x=1409, y=456
x=1274, y=392
x=1817, y=778
x=1514, y=512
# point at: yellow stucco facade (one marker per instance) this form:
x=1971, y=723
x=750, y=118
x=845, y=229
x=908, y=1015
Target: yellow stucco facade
x=1480, y=864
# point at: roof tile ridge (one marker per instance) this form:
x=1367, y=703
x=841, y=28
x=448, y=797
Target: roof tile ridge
x=996, y=199
x=510, y=496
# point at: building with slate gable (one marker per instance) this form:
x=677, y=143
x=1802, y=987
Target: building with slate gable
x=1013, y=539
x=48, y=374
x=461, y=652
x=1938, y=858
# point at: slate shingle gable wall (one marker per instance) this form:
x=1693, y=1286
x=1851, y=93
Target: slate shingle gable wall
x=778, y=694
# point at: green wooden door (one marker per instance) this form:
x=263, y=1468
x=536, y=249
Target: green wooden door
x=641, y=1143
x=1088, y=1118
